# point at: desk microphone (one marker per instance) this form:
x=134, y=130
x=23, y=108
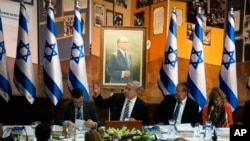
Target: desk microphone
x=25, y=133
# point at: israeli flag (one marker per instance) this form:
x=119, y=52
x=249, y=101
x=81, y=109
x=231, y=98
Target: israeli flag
x=52, y=72
x=5, y=87
x=196, y=72
x=77, y=77
x=228, y=75
x=23, y=68
x=168, y=75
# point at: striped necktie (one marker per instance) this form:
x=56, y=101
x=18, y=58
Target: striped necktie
x=126, y=110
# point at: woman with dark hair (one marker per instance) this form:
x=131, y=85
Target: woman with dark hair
x=217, y=109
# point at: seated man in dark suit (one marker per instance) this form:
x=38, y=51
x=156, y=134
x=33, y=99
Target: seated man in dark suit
x=78, y=108
x=124, y=106
x=188, y=111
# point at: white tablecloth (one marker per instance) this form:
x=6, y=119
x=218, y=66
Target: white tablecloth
x=187, y=131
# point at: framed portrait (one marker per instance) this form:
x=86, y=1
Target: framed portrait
x=30, y=2
x=114, y=18
x=99, y=14
x=123, y=56
x=69, y=24
x=139, y=19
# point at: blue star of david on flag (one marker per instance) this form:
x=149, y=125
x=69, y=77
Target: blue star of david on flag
x=2, y=50
x=228, y=58
x=173, y=53
x=49, y=51
x=76, y=53
x=196, y=58
x=23, y=51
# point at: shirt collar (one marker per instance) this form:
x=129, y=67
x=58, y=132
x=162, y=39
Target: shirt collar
x=132, y=100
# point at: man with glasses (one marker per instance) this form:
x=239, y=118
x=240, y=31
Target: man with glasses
x=124, y=106
x=119, y=68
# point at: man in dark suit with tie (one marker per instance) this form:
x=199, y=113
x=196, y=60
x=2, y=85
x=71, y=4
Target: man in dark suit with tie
x=119, y=67
x=78, y=108
x=137, y=108
x=187, y=110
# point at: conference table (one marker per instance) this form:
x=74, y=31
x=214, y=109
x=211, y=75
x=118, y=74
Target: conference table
x=185, y=131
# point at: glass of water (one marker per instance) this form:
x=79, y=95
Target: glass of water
x=197, y=130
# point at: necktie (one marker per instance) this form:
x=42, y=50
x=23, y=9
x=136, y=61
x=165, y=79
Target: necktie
x=126, y=59
x=79, y=114
x=177, y=109
x=126, y=110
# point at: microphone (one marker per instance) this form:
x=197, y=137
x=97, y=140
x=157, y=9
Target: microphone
x=26, y=135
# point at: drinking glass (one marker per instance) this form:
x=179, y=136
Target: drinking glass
x=197, y=130
x=171, y=131
x=80, y=129
x=208, y=130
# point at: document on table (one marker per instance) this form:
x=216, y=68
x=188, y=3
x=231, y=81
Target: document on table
x=184, y=127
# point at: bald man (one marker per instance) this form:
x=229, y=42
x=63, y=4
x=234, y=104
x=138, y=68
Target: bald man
x=119, y=67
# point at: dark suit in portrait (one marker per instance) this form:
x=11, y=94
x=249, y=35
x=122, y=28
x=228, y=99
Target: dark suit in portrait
x=117, y=64
x=68, y=112
x=116, y=102
x=166, y=109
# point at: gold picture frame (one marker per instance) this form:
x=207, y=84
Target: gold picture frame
x=136, y=37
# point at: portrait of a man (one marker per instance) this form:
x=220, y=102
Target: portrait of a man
x=119, y=67
x=123, y=56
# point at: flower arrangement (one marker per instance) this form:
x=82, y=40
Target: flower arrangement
x=124, y=134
